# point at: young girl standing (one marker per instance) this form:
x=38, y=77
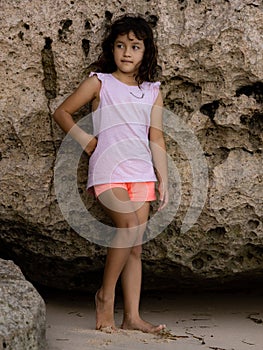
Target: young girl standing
x=126, y=147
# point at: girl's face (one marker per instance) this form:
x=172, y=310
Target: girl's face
x=128, y=53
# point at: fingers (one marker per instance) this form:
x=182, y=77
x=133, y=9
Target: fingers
x=88, y=151
x=164, y=198
x=91, y=146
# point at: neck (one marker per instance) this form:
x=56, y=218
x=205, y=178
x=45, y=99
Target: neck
x=125, y=78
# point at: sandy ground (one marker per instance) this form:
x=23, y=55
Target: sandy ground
x=200, y=321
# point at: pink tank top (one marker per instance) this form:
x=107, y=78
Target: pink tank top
x=121, y=123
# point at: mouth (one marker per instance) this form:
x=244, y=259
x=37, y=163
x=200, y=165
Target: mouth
x=126, y=61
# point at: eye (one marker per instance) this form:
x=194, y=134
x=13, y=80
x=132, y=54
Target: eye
x=136, y=47
x=120, y=46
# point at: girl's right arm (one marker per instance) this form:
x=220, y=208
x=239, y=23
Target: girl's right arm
x=87, y=91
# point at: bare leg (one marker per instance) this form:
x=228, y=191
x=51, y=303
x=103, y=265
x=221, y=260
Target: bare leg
x=126, y=222
x=131, y=284
x=116, y=258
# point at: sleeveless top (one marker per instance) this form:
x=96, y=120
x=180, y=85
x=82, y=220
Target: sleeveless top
x=121, y=124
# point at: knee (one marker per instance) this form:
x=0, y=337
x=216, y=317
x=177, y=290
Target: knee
x=131, y=222
x=130, y=233
x=136, y=251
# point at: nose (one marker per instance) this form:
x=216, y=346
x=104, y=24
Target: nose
x=127, y=52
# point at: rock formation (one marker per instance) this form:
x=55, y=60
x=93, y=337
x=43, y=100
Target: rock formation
x=211, y=55
x=22, y=311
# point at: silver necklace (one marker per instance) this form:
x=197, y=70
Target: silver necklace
x=141, y=96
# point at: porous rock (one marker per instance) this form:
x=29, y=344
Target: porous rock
x=22, y=311
x=211, y=56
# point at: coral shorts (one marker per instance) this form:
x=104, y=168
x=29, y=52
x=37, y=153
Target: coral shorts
x=138, y=191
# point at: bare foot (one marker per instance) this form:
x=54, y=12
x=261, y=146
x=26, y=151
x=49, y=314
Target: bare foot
x=104, y=313
x=143, y=326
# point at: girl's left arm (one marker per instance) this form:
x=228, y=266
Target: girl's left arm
x=158, y=149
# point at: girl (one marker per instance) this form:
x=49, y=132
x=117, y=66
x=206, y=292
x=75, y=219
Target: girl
x=124, y=151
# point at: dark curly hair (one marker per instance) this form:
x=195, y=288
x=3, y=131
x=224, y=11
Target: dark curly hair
x=148, y=69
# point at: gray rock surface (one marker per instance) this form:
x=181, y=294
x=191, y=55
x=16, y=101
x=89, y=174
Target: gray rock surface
x=22, y=311
x=211, y=54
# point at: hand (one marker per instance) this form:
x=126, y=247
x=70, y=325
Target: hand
x=163, y=195
x=91, y=146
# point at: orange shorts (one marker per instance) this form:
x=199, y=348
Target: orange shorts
x=138, y=191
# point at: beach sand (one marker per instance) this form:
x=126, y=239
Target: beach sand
x=218, y=321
